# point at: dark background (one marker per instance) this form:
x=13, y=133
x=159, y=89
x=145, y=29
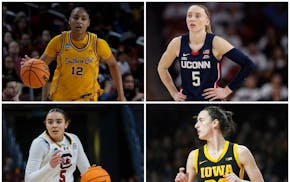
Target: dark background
x=118, y=128
x=263, y=128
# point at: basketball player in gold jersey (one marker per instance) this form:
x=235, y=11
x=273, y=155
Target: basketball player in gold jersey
x=218, y=160
x=78, y=54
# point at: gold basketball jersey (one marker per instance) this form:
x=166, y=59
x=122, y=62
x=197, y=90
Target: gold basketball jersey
x=76, y=74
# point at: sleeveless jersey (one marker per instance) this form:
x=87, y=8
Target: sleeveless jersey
x=199, y=70
x=212, y=170
x=76, y=74
x=69, y=154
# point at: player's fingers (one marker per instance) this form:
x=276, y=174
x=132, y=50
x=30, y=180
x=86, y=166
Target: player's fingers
x=214, y=98
x=181, y=169
x=210, y=96
x=56, y=152
x=207, y=93
x=208, y=89
x=180, y=94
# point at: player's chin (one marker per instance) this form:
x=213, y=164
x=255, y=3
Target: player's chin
x=78, y=30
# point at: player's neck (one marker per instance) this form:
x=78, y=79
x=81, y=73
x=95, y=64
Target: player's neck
x=216, y=143
x=78, y=36
x=197, y=37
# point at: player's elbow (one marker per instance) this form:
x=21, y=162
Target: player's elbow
x=161, y=68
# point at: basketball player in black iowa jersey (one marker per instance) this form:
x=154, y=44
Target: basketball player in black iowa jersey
x=200, y=54
x=218, y=160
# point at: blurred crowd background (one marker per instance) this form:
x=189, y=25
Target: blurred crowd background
x=260, y=30
x=171, y=136
x=28, y=27
x=112, y=137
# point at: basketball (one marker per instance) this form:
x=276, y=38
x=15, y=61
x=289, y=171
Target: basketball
x=34, y=73
x=96, y=174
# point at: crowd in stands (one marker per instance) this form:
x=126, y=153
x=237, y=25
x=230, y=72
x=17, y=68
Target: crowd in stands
x=28, y=27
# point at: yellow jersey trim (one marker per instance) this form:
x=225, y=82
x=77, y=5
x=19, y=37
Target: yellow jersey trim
x=226, y=146
x=242, y=170
x=196, y=160
x=65, y=135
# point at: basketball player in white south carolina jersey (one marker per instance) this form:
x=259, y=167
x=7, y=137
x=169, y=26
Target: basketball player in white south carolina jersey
x=55, y=154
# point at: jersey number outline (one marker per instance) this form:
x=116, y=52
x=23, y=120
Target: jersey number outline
x=77, y=71
x=195, y=78
x=62, y=175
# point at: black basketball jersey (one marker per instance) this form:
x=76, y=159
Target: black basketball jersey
x=199, y=70
x=212, y=170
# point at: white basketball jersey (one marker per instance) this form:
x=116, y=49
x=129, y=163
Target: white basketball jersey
x=68, y=152
x=70, y=148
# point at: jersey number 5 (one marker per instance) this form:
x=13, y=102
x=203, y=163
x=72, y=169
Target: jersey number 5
x=77, y=71
x=62, y=175
x=196, y=78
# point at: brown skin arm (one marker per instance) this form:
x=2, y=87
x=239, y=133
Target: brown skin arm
x=116, y=75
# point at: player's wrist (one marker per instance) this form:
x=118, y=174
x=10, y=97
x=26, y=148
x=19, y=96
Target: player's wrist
x=228, y=90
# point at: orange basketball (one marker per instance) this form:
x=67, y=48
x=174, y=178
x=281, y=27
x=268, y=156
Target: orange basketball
x=96, y=174
x=34, y=73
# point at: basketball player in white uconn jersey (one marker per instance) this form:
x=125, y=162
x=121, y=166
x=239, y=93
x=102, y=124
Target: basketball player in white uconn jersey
x=55, y=154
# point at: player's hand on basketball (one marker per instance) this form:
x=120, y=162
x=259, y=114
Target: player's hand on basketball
x=232, y=177
x=181, y=175
x=26, y=58
x=94, y=165
x=179, y=96
x=216, y=93
x=55, y=159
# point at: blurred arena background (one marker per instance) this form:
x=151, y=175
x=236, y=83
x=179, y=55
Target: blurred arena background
x=259, y=29
x=171, y=136
x=28, y=27
x=112, y=136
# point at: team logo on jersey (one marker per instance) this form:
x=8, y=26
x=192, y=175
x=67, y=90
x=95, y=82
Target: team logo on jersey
x=67, y=46
x=185, y=55
x=214, y=171
x=202, y=162
x=66, y=161
x=229, y=158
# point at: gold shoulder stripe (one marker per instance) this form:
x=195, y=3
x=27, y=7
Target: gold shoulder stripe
x=196, y=160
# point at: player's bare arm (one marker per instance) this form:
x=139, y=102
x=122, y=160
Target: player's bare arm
x=116, y=75
x=190, y=175
x=220, y=47
x=46, y=59
x=165, y=62
x=249, y=163
x=190, y=167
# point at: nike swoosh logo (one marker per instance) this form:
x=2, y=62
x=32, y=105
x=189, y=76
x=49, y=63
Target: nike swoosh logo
x=202, y=162
x=185, y=54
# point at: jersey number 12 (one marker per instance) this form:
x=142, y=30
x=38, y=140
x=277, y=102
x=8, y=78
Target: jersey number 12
x=77, y=71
